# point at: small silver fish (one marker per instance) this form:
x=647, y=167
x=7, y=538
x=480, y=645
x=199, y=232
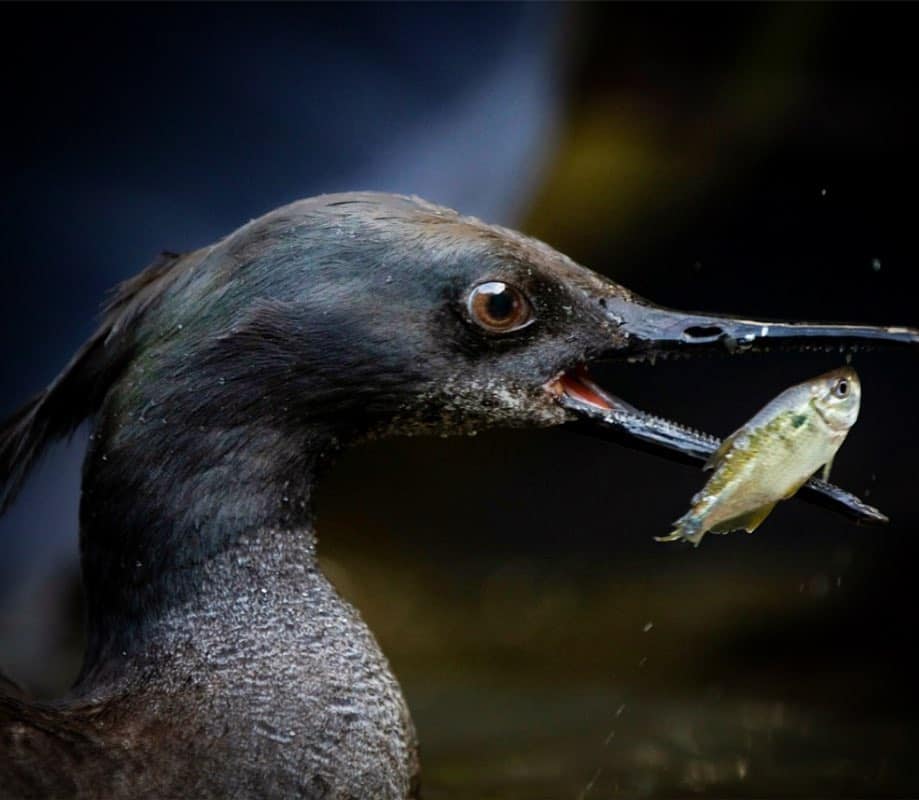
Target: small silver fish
x=770, y=457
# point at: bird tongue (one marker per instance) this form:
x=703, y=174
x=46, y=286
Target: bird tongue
x=578, y=385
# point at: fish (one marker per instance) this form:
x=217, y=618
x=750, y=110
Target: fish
x=773, y=455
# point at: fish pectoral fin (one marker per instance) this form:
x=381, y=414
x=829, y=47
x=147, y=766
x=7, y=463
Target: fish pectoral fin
x=715, y=458
x=826, y=469
x=749, y=521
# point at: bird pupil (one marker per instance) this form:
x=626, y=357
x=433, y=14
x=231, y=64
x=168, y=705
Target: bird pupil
x=500, y=304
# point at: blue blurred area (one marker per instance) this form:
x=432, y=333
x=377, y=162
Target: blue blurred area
x=142, y=128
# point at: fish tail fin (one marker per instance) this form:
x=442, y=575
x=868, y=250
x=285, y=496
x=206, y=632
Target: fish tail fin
x=688, y=528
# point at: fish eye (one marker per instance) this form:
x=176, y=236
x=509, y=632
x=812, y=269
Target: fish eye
x=499, y=307
x=841, y=387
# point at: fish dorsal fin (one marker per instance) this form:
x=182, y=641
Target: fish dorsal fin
x=715, y=458
x=749, y=521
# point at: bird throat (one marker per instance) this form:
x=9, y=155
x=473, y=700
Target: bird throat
x=220, y=525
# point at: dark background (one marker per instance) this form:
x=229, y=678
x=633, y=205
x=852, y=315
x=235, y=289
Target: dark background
x=752, y=159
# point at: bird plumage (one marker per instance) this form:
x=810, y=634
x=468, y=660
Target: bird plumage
x=221, y=383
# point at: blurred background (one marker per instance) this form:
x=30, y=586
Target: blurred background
x=751, y=159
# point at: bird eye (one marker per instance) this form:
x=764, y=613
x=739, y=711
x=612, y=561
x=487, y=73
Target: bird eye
x=841, y=387
x=499, y=307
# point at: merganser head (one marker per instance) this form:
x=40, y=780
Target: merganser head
x=361, y=315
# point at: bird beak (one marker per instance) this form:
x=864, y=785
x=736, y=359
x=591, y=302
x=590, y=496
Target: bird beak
x=642, y=331
x=652, y=329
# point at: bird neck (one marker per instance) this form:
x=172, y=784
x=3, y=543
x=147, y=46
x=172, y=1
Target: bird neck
x=210, y=619
x=256, y=596
x=184, y=551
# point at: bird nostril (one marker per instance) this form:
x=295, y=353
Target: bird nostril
x=702, y=333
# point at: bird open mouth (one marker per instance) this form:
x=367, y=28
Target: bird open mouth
x=643, y=332
x=577, y=388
